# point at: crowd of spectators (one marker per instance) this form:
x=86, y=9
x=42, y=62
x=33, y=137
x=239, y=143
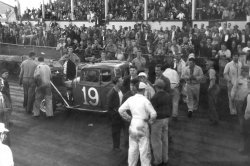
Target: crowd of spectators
x=117, y=10
x=226, y=10
x=133, y=10
x=202, y=41
x=61, y=10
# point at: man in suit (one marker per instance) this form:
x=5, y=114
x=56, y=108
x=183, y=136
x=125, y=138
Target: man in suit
x=115, y=96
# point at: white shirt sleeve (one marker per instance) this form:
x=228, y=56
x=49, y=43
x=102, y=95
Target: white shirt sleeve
x=247, y=111
x=123, y=110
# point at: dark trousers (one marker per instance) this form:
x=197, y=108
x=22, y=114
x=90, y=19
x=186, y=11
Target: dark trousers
x=212, y=99
x=29, y=87
x=116, y=134
x=246, y=135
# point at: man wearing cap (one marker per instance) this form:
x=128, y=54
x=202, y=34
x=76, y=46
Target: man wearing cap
x=149, y=91
x=161, y=102
x=6, y=157
x=192, y=74
x=142, y=113
x=139, y=61
x=232, y=73
x=173, y=76
x=42, y=76
x=26, y=78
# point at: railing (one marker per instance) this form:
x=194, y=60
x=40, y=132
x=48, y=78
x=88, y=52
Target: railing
x=20, y=50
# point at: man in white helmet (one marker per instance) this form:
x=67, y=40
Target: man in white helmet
x=142, y=113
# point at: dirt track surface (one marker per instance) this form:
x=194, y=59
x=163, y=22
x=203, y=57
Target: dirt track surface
x=70, y=139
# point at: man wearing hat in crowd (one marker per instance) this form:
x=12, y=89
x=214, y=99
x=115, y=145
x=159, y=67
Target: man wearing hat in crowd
x=6, y=157
x=149, y=91
x=192, y=74
x=26, y=78
x=161, y=102
x=139, y=61
x=142, y=114
x=232, y=73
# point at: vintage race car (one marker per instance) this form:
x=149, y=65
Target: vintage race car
x=89, y=90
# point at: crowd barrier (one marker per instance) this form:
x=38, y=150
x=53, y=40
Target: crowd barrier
x=20, y=50
x=154, y=24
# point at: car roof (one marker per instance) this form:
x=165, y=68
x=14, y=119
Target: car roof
x=106, y=64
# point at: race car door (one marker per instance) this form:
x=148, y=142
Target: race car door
x=86, y=92
x=106, y=85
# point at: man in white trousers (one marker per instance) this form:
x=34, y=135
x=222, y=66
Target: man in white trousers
x=142, y=113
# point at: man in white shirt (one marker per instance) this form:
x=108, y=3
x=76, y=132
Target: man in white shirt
x=232, y=73
x=142, y=113
x=246, y=123
x=174, y=78
x=42, y=76
x=6, y=157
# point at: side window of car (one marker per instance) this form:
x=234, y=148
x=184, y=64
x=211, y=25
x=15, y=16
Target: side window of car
x=90, y=75
x=106, y=75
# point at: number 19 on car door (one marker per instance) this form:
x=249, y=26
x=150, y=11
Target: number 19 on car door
x=90, y=96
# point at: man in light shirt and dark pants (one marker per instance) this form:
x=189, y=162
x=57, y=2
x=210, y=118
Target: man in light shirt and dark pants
x=26, y=78
x=42, y=77
x=173, y=76
x=143, y=114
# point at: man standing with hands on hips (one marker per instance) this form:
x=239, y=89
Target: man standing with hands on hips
x=143, y=114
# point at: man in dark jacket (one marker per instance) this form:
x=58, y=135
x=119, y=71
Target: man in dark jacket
x=161, y=102
x=114, y=101
x=127, y=79
x=159, y=75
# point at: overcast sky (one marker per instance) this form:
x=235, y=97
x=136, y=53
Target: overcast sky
x=26, y=3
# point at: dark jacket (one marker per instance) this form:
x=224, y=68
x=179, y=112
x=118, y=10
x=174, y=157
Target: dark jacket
x=162, y=104
x=167, y=87
x=113, y=106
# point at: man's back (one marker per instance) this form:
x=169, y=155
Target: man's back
x=44, y=73
x=27, y=68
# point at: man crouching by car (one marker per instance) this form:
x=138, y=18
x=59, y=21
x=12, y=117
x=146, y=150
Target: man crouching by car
x=42, y=77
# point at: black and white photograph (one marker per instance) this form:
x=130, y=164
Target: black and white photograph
x=124, y=82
